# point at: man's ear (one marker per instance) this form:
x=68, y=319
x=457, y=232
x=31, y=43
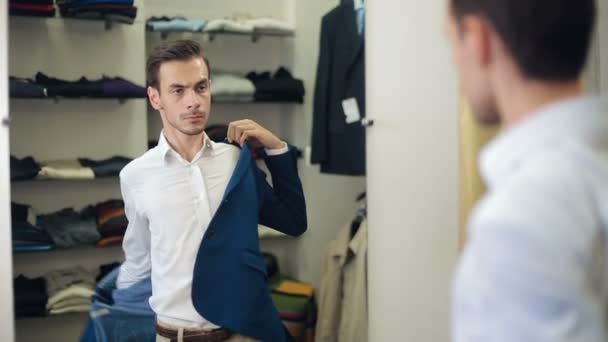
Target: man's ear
x=477, y=34
x=154, y=97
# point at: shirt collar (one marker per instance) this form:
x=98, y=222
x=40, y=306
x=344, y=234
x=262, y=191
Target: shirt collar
x=572, y=118
x=165, y=148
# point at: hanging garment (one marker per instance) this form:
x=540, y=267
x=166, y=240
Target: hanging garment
x=337, y=145
x=343, y=292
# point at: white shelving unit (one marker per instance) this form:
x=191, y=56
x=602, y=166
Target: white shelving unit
x=65, y=128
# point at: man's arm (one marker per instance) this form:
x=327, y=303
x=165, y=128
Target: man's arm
x=136, y=243
x=282, y=206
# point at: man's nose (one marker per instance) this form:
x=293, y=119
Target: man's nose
x=193, y=100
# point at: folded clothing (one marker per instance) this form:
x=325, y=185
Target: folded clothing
x=31, y=9
x=24, y=87
x=69, y=285
x=76, y=3
x=27, y=238
x=119, y=87
x=228, y=25
x=79, y=88
x=110, y=167
x=24, y=169
x=104, y=87
x=111, y=220
x=30, y=296
x=64, y=169
x=32, y=2
x=177, y=24
x=69, y=228
x=105, y=269
x=225, y=84
x=109, y=241
x=282, y=87
x=295, y=303
x=100, y=10
x=270, y=25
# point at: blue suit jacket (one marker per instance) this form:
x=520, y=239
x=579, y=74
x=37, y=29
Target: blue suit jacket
x=229, y=282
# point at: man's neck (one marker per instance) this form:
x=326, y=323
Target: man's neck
x=519, y=100
x=187, y=146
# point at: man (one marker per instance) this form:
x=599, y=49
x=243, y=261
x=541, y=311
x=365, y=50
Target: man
x=193, y=207
x=535, y=267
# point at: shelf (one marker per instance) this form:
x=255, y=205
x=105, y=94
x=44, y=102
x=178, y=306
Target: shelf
x=255, y=36
x=256, y=102
x=35, y=264
x=121, y=100
x=107, y=24
x=65, y=327
x=79, y=180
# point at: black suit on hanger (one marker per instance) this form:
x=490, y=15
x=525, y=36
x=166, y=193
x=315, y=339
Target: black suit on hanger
x=339, y=147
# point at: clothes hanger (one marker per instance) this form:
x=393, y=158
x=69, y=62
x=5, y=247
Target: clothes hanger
x=361, y=214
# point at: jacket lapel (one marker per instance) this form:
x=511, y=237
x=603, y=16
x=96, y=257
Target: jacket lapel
x=240, y=170
x=355, y=41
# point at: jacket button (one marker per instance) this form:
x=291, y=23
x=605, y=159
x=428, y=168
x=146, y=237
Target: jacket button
x=210, y=233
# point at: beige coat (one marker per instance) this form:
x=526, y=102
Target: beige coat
x=343, y=294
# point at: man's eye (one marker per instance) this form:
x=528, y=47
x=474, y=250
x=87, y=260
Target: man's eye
x=202, y=88
x=178, y=91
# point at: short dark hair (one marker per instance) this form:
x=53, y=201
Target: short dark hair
x=549, y=39
x=171, y=51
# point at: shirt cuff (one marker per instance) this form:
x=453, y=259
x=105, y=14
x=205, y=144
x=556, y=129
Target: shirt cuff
x=277, y=151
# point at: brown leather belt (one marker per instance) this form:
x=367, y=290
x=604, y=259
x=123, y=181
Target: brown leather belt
x=217, y=335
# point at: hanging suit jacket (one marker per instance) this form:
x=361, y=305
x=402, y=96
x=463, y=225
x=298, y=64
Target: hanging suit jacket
x=229, y=282
x=339, y=147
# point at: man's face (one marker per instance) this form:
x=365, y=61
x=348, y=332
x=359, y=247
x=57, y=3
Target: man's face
x=184, y=95
x=470, y=42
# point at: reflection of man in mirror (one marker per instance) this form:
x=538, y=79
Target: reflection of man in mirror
x=536, y=265
x=194, y=206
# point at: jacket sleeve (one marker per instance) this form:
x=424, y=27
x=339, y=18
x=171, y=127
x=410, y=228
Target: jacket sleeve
x=282, y=206
x=321, y=98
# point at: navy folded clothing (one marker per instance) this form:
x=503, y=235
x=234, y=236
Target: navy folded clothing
x=23, y=87
x=23, y=169
x=26, y=235
x=281, y=87
x=98, y=11
x=115, y=87
x=79, y=88
x=19, y=212
x=119, y=87
x=76, y=3
x=110, y=167
x=30, y=297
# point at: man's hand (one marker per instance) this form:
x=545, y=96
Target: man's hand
x=258, y=136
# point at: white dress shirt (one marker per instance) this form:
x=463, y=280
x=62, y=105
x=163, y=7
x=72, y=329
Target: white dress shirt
x=169, y=203
x=535, y=268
